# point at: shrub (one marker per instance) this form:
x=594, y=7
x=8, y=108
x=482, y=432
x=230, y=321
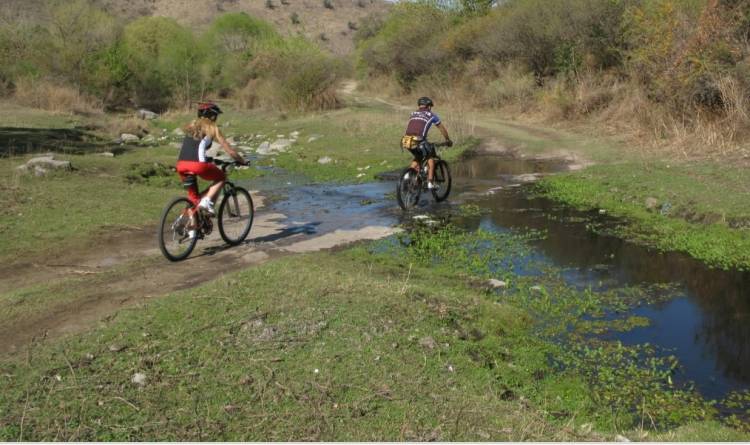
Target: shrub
x=163, y=58
x=553, y=37
x=512, y=85
x=48, y=95
x=295, y=18
x=232, y=41
x=74, y=34
x=297, y=76
x=407, y=43
x=328, y=4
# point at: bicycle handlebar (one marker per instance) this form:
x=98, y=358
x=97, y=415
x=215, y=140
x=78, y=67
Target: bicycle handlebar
x=225, y=164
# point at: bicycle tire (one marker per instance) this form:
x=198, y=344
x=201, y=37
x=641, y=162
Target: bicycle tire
x=443, y=180
x=173, y=233
x=408, y=189
x=236, y=214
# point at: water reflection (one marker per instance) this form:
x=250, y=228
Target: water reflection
x=707, y=325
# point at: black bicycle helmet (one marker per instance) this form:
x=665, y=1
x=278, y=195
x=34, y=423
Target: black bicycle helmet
x=208, y=110
x=425, y=102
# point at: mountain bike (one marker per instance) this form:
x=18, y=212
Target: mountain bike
x=411, y=183
x=180, y=217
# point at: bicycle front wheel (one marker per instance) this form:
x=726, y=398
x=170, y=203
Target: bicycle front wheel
x=443, y=180
x=408, y=189
x=236, y=214
x=174, y=238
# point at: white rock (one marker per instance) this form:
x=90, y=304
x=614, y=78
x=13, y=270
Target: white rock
x=314, y=138
x=264, y=148
x=536, y=288
x=127, y=137
x=497, y=284
x=360, y=175
x=106, y=154
x=146, y=114
x=178, y=132
x=620, y=438
x=325, y=160
x=40, y=165
x=139, y=378
x=281, y=145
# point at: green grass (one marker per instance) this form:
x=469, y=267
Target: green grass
x=697, y=208
x=356, y=346
x=63, y=209
x=55, y=213
x=361, y=141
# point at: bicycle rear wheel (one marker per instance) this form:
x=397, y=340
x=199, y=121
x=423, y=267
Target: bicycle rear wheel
x=174, y=240
x=236, y=215
x=443, y=180
x=408, y=189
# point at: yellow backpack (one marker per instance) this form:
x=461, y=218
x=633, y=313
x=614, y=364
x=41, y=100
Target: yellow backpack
x=409, y=142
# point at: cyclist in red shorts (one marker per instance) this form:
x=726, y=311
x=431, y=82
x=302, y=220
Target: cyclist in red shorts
x=199, y=135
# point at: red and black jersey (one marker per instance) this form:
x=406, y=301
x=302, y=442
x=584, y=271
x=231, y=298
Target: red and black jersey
x=420, y=123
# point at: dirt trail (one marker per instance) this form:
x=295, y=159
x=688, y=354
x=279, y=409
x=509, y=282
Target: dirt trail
x=313, y=218
x=136, y=271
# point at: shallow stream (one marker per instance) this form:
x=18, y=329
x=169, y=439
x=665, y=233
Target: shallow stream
x=705, y=322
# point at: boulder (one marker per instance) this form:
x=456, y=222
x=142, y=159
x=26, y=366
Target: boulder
x=146, y=114
x=178, y=132
x=651, y=203
x=127, y=137
x=496, y=284
x=325, y=160
x=314, y=138
x=264, y=148
x=40, y=166
x=281, y=145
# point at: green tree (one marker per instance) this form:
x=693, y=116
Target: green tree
x=77, y=32
x=232, y=40
x=165, y=61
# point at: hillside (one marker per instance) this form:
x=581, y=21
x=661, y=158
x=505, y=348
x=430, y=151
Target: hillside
x=328, y=26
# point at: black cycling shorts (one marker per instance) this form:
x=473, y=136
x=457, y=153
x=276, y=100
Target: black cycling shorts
x=425, y=150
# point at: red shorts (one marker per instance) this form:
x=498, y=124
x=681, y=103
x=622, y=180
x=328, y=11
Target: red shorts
x=204, y=170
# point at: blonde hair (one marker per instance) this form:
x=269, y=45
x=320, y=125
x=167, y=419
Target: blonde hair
x=202, y=127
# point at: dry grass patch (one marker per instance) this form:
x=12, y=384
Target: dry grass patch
x=48, y=95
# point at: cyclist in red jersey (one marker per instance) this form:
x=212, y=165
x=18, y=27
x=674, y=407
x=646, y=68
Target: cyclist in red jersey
x=199, y=136
x=419, y=125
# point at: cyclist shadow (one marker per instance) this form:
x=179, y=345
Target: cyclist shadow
x=304, y=229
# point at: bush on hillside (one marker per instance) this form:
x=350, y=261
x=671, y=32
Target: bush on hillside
x=681, y=51
x=75, y=33
x=165, y=60
x=552, y=37
x=297, y=76
x=232, y=40
x=407, y=44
